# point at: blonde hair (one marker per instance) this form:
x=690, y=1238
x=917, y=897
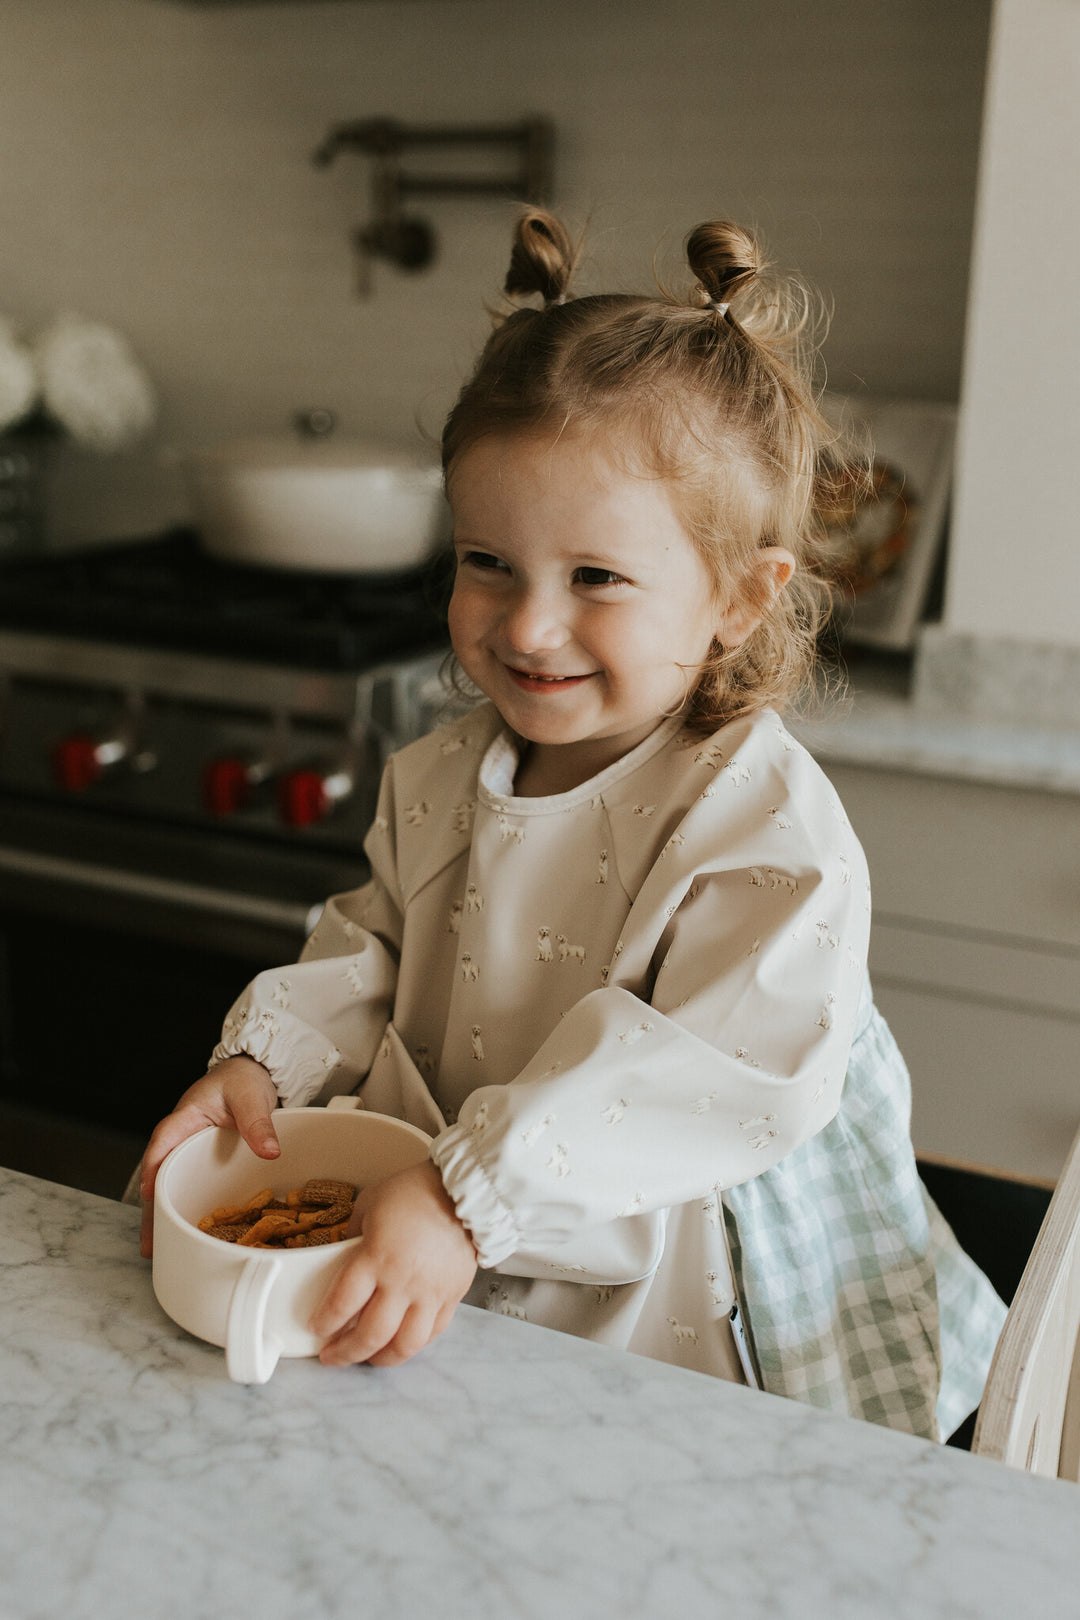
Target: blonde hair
x=719, y=403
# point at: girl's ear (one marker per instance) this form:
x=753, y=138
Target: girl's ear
x=773, y=567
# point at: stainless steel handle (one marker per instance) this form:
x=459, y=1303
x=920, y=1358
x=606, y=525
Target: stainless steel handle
x=296, y=917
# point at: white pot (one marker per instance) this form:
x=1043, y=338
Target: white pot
x=333, y=505
x=256, y=1303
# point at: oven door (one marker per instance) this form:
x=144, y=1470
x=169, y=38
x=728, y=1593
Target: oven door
x=122, y=947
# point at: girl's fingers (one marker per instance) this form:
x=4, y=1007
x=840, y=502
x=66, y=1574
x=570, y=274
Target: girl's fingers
x=173, y=1129
x=250, y=1105
x=443, y=1319
x=345, y=1298
x=417, y=1330
x=239, y=1092
x=371, y=1331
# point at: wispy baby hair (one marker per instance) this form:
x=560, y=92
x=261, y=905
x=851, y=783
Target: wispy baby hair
x=712, y=393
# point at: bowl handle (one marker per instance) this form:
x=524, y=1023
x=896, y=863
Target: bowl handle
x=249, y=1356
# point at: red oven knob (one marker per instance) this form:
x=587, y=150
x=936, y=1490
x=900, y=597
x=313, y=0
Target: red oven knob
x=308, y=794
x=302, y=797
x=226, y=785
x=77, y=762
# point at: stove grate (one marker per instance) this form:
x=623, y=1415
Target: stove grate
x=166, y=592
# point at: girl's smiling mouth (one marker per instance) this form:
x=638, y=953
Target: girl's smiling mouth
x=529, y=682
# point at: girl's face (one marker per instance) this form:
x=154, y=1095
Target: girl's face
x=580, y=608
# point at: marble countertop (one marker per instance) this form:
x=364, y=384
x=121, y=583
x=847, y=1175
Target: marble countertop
x=876, y=722
x=507, y=1473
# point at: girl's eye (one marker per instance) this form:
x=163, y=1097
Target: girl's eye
x=481, y=559
x=599, y=576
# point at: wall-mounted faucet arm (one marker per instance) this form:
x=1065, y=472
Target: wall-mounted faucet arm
x=410, y=243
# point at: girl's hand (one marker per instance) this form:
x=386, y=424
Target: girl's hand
x=399, y=1289
x=238, y=1092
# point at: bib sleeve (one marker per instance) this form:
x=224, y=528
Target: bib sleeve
x=316, y=1025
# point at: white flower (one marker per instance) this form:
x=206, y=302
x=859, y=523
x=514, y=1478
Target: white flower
x=18, y=382
x=92, y=383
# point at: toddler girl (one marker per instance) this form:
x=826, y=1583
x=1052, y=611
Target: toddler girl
x=612, y=956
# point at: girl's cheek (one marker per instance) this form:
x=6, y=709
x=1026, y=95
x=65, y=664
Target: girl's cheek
x=457, y=617
x=466, y=623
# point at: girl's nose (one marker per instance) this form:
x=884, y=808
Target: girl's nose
x=534, y=622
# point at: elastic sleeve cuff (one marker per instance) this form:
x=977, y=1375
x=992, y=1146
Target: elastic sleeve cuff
x=311, y=1058
x=494, y=1231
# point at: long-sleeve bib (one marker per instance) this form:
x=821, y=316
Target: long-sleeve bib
x=607, y=1006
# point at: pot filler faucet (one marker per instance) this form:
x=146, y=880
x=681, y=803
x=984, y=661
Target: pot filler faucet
x=403, y=239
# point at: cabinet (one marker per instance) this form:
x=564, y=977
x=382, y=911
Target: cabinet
x=975, y=959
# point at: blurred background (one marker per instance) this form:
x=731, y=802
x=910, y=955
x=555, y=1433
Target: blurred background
x=157, y=176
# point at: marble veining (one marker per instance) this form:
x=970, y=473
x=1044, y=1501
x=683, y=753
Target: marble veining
x=507, y=1472
x=1000, y=678
x=878, y=726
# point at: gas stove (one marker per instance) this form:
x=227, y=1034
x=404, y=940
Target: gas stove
x=167, y=593
x=183, y=732
x=190, y=754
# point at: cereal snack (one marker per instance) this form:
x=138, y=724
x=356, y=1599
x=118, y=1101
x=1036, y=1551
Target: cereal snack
x=316, y=1213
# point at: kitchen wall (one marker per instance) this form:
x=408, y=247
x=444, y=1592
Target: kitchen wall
x=1014, y=568
x=156, y=174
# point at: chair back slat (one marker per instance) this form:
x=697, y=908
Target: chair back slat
x=1030, y=1411
x=1069, y=1461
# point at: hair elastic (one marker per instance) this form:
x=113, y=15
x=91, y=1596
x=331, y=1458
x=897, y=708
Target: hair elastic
x=721, y=309
x=549, y=303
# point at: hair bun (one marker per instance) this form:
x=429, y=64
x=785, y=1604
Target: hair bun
x=542, y=259
x=724, y=258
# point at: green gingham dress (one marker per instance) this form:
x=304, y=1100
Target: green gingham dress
x=860, y=1298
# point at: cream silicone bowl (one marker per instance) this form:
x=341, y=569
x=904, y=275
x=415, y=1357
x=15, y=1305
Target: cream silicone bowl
x=256, y=1303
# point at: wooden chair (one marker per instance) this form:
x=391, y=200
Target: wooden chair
x=1029, y=1416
